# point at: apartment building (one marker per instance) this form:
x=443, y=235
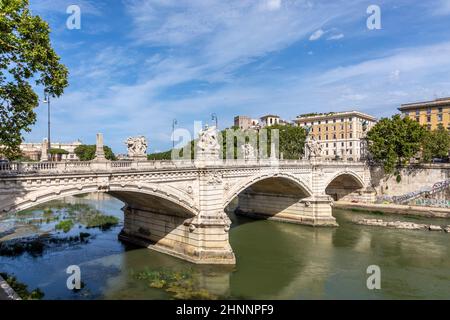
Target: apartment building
x=429, y=113
x=341, y=134
x=244, y=122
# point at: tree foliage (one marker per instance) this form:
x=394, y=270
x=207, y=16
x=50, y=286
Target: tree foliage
x=436, y=144
x=292, y=140
x=394, y=141
x=26, y=59
x=87, y=152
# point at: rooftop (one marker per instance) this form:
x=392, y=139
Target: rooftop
x=328, y=115
x=269, y=116
x=423, y=104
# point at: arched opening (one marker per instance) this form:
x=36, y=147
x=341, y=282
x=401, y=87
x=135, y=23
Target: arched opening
x=344, y=187
x=144, y=218
x=275, y=198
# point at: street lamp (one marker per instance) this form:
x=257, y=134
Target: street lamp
x=214, y=117
x=47, y=101
x=174, y=123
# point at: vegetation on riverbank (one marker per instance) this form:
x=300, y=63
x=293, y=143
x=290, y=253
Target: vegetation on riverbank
x=35, y=246
x=65, y=225
x=179, y=284
x=22, y=289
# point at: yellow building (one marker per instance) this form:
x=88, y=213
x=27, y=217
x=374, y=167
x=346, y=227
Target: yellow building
x=339, y=133
x=429, y=113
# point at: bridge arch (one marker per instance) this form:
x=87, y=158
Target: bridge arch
x=343, y=184
x=249, y=181
x=127, y=193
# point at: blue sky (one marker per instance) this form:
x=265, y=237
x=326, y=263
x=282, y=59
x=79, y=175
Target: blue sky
x=137, y=64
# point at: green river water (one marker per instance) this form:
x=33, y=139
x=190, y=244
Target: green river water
x=274, y=260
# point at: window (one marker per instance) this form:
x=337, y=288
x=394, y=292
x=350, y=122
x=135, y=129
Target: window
x=326, y=128
x=342, y=136
x=319, y=122
x=351, y=135
x=428, y=118
x=440, y=110
x=320, y=129
x=350, y=151
x=342, y=120
x=327, y=152
x=334, y=144
x=327, y=142
x=429, y=111
x=350, y=127
x=342, y=144
x=334, y=120
x=342, y=127
x=326, y=121
x=351, y=144
x=417, y=112
x=334, y=136
x=326, y=137
x=320, y=137
x=417, y=119
x=440, y=117
x=350, y=119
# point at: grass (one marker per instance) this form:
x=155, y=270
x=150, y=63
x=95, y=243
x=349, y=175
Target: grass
x=180, y=285
x=101, y=221
x=65, y=225
x=22, y=289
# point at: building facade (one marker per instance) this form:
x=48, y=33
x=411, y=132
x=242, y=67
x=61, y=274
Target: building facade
x=244, y=122
x=33, y=150
x=270, y=120
x=340, y=134
x=429, y=113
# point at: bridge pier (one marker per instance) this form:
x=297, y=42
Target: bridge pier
x=314, y=210
x=198, y=240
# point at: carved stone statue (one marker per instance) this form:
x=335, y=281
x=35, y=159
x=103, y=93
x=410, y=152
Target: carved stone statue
x=248, y=151
x=313, y=148
x=208, y=147
x=137, y=147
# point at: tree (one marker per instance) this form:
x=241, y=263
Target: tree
x=436, y=144
x=393, y=142
x=26, y=59
x=87, y=152
x=292, y=140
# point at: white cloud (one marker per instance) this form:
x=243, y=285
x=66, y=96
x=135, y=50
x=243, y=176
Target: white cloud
x=316, y=35
x=273, y=4
x=336, y=36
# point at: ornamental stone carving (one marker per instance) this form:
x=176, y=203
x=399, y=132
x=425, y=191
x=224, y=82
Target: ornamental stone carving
x=248, y=151
x=137, y=147
x=214, y=178
x=208, y=147
x=313, y=148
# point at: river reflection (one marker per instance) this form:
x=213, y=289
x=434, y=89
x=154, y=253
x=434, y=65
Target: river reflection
x=274, y=261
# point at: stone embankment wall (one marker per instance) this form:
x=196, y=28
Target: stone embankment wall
x=414, y=180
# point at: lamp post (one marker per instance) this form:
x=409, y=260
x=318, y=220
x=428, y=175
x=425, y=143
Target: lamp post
x=47, y=101
x=174, y=123
x=214, y=117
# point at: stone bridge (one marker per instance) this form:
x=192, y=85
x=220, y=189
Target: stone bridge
x=179, y=207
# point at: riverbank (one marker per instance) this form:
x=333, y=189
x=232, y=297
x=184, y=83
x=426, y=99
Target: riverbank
x=6, y=292
x=429, y=212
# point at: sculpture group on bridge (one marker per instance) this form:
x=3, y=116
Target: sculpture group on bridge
x=137, y=147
